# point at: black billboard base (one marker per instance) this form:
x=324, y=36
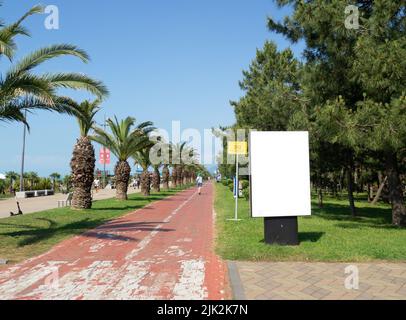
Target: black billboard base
x=281, y=231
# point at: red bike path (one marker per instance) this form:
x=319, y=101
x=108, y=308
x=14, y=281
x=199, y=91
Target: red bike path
x=162, y=251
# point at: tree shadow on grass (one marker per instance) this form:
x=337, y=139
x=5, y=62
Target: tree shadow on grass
x=132, y=204
x=43, y=233
x=371, y=216
x=310, y=236
x=126, y=208
x=153, y=198
x=54, y=229
x=11, y=225
x=306, y=237
x=357, y=225
x=103, y=231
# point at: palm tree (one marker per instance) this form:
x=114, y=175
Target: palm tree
x=181, y=155
x=32, y=177
x=142, y=158
x=195, y=169
x=83, y=156
x=165, y=166
x=67, y=181
x=161, y=150
x=54, y=176
x=188, y=168
x=21, y=90
x=174, y=176
x=126, y=139
x=176, y=160
x=189, y=163
x=13, y=176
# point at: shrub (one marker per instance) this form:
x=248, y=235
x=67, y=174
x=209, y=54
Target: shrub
x=245, y=184
x=246, y=193
x=2, y=187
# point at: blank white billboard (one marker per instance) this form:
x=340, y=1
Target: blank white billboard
x=280, y=174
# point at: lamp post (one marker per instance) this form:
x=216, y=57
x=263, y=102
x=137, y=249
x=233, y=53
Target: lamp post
x=23, y=155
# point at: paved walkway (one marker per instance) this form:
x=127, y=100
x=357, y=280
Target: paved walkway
x=163, y=251
x=31, y=205
x=300, y=280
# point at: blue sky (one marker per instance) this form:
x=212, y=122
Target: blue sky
x=161, y=60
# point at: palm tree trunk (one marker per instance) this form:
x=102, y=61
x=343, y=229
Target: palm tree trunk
x=82, y=165
x=174, y=176
x=165, y=177
x=145, y=183
x=122, y=172
x=156, y=180
x=179, y=176
x=395, y=190
x=185, y=177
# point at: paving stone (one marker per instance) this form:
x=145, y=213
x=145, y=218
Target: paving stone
x=325, y=281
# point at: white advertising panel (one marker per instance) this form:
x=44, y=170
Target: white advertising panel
x=280, y=174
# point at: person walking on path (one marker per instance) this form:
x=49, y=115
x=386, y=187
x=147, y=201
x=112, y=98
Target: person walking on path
x=96, y=185
x=199, y=181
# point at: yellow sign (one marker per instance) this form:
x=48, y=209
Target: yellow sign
x=237, y=147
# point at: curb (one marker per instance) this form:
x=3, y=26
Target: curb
x=235, y=281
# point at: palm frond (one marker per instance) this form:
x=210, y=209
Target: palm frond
x=14, y=109
x=8, y=33
x=125, y=140
x=39, y=56
x=11, y=113
x=27, y=84
x=85, y=113
x=77, y=81
x=142, y=158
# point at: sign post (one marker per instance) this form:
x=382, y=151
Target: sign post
x=104, y=158
x=237, y=148
x=280, y=183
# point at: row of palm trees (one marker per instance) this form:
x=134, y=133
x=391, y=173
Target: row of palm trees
x=126, y=140
x=32, y=180
x=22, y=90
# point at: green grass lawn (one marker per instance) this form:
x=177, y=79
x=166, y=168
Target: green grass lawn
x=330, y=234
x=5, y=196
x=29, y=235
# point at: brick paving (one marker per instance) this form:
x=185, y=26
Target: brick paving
x=163, y=251
x=316, y=281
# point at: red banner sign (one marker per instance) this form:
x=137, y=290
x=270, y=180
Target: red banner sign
x=104, y=156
